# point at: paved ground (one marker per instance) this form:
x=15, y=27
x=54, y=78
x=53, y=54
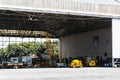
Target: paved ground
x=61, y=74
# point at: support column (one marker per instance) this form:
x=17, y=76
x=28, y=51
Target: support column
x=60, y=50
x=116, y=42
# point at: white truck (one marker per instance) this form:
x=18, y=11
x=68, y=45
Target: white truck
x=16, y=62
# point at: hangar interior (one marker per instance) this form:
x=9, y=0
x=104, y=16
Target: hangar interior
x=79, y=36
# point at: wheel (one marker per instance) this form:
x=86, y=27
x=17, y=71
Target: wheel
x=15, y=67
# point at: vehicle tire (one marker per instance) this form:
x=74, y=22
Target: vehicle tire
x=15, y=67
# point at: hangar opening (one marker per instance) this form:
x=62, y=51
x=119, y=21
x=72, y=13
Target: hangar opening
x=85, y=38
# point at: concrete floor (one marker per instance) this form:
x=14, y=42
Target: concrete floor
x=61, y=74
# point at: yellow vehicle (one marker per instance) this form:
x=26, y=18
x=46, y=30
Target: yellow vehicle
x=76, y=64
x=92, y=63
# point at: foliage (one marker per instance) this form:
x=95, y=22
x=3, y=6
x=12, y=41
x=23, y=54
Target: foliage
x=26, y=49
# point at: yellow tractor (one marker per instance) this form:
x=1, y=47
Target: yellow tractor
x=91, y=62
x=76, y=63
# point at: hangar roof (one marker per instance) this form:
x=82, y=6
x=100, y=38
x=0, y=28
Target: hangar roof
x=14, y=23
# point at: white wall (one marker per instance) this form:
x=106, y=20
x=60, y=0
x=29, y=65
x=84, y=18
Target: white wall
x=82, y=44
x=116, y=38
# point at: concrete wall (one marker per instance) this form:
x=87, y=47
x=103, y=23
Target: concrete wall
x=83, y=44
x=116, y=38
x=107, y=8
x=108, y=2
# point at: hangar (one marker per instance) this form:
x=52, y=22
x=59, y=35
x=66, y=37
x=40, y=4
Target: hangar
x=84, y=28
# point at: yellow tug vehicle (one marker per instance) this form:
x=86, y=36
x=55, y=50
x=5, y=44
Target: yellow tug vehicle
x=76, y=64
x=92, y=63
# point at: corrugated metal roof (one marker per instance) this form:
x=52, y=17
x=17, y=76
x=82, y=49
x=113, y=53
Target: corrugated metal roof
x=107, y=2
x=109, y=8
x=54, y=25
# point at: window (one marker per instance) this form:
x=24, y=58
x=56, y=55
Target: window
x=96, y=41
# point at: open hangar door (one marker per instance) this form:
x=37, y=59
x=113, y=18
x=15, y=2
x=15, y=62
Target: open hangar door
x=90, y=39
x=24, y=36
x=80, y=36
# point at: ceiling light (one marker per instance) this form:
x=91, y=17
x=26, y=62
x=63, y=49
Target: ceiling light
x=32, y=19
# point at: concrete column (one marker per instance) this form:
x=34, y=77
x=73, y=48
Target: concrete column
x=116, y=38
x=60, y=49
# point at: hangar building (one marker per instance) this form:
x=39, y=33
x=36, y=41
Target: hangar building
x=84, y=27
